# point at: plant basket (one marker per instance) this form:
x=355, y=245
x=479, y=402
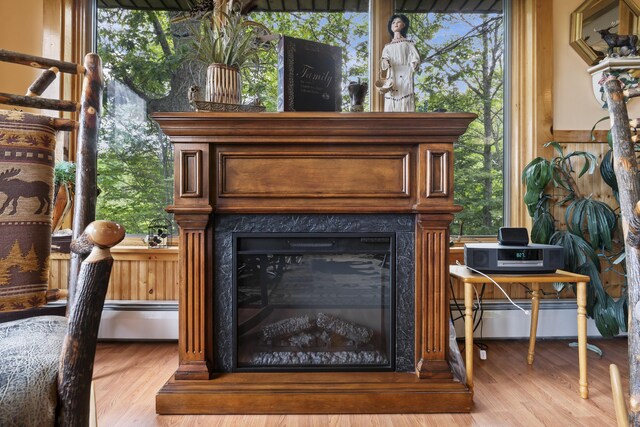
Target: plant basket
x=223, y=84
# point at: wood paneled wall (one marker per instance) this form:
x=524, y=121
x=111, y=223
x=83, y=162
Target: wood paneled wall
x=138, y=274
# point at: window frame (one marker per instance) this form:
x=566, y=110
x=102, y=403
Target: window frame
x=69, y=31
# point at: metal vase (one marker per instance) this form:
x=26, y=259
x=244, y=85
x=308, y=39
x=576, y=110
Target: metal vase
x=223, y=84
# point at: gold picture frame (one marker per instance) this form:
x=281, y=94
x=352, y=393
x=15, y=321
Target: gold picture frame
x=596, y=14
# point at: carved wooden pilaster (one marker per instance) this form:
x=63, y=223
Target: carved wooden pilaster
x=195, y=327
x=432, y=296
x=193, y=214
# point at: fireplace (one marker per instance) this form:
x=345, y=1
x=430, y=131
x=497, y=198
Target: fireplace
x=313, y=301
x=313, y=263
x=379, y=263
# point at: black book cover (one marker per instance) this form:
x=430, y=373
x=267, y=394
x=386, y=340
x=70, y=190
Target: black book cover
x=309, y=76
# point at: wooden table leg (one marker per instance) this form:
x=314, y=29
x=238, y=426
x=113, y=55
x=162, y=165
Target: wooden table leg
x=535, y=306
x=468, y=331
x=582, y=338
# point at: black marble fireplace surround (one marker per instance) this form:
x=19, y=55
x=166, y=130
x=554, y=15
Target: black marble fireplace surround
x=401, y=225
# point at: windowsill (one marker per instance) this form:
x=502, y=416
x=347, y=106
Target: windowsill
x=126, y=249
x=458, y=242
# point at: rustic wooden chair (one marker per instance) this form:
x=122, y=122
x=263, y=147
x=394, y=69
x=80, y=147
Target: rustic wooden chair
x=26, y=137
x=47, y=361
x=622, y=419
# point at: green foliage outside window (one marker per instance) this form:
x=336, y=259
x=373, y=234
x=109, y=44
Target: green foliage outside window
x=147, y=70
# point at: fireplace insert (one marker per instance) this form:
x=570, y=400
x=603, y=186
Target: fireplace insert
x=314, y=301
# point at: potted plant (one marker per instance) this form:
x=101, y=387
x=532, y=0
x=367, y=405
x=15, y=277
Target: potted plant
x=64, y=177
x=589, y=238
x=227, y=42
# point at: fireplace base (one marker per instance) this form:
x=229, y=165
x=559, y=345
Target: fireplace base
x=313, y=393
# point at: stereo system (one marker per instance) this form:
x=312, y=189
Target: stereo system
x=519, y=259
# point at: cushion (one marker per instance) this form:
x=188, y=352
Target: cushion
x=27, y=144
x=30, y=353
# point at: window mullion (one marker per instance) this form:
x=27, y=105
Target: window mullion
x=379, y=13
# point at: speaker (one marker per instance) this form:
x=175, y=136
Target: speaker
x=513, y=236
x=481, y=259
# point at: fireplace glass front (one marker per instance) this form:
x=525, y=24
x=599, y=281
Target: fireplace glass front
x=314, y=301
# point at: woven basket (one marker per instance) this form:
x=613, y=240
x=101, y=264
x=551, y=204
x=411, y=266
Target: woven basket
x=27, y=143
x=223, y=84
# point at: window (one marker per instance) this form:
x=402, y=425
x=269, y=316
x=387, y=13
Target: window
x=347, y=29
x=144, y=74
x=462, y=70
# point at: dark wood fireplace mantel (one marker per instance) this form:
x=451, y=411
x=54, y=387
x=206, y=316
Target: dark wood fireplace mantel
x=271, y=163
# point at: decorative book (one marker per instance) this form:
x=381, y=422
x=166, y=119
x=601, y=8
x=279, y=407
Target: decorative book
x=309, y=76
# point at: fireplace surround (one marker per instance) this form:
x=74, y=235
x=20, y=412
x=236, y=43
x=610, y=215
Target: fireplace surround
x=398, y=232
x=240, y=176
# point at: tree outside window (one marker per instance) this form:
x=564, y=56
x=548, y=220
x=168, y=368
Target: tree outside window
x=147, y=71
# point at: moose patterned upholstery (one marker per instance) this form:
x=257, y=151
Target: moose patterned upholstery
x=27, y=143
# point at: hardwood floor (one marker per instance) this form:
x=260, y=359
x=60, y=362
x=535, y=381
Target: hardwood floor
x=507, y=391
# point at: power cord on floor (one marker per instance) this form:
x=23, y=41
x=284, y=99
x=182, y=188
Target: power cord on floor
x=478, y=309
x=477, y=315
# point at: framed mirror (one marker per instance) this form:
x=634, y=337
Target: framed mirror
x=619, y=16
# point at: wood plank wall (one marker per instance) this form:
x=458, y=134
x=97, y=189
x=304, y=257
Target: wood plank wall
x=146, y=274
x=139, y=274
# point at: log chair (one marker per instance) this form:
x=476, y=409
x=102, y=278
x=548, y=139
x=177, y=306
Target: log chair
x=87, y=126
x=47, y=363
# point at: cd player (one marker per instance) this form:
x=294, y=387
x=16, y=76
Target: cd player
x=527, y=259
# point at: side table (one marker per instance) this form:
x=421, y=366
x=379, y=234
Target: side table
x=461, y=274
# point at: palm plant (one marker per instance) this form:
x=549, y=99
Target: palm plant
x=229, y=39
x=590, y=227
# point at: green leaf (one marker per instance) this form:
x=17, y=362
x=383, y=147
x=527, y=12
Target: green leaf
x=590, y=161
x=621, y=311
x=593, y=129
x=556, y=146
x=605, y=318
x=621, y=258
x=590, y=347
x=608, y=173
x=577, y=251
x=543, y=228
x=594, y=217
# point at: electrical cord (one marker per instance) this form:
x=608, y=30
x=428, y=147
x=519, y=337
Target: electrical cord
x=477, y=310
x=527, y=312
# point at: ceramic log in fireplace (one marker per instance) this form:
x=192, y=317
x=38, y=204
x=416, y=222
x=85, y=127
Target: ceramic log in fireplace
x=250, y=342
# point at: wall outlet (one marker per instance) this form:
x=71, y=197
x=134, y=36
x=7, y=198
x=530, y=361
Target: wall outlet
x=483, y=354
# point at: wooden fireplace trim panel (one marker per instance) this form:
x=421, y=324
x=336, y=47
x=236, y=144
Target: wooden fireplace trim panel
x=192, y=210
x=194, y=307
x=298, y=177
x=431, y=296
x=190, y=163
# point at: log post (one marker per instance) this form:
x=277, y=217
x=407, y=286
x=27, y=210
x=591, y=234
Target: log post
x=86, y=159
x=43, y=82
x=79, y=347
x=40, y=62
x=33, y=102
x=626, y=169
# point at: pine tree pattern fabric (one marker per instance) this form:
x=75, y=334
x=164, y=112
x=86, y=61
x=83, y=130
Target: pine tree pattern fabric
x=27, y=144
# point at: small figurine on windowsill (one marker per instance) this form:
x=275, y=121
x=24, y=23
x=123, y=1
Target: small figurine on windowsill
x=400, y=60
